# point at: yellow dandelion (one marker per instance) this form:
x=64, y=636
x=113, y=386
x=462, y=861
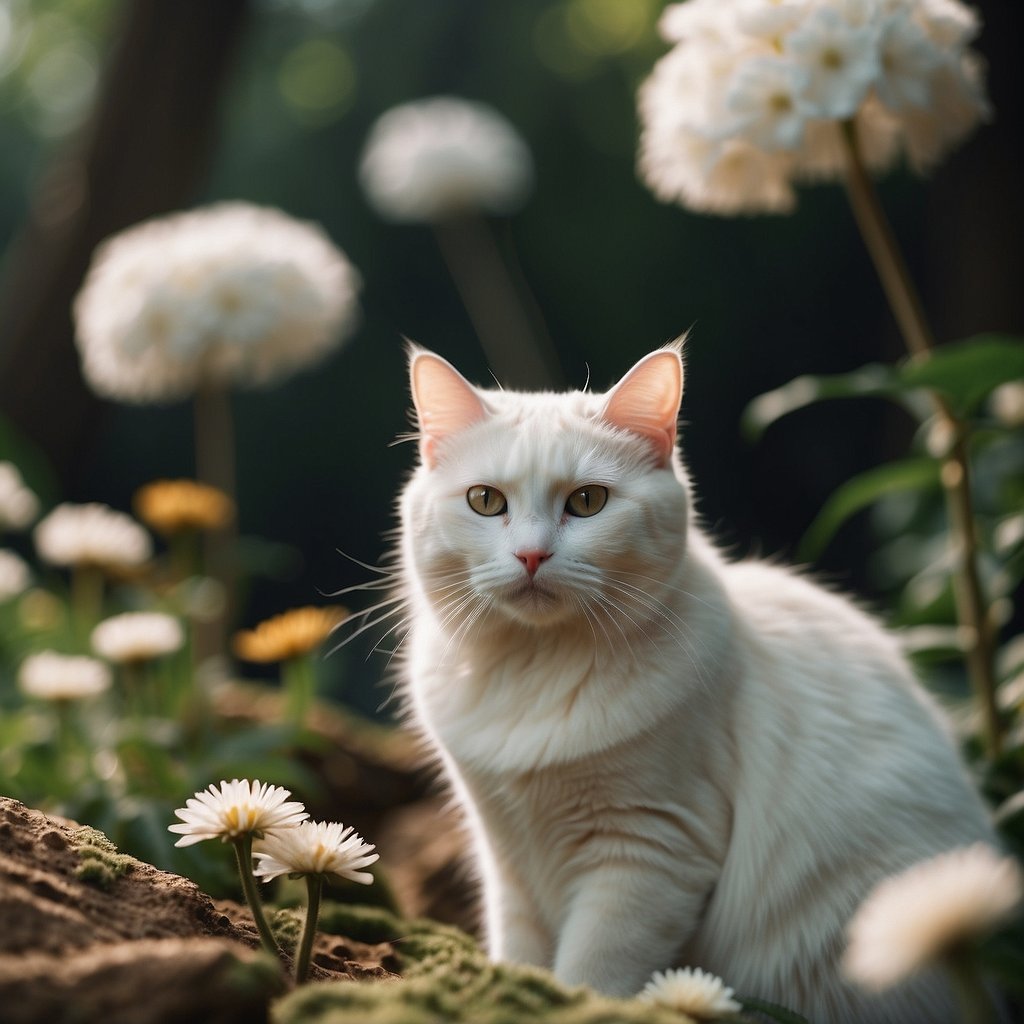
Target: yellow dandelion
x=286, y=636
x=173, y=506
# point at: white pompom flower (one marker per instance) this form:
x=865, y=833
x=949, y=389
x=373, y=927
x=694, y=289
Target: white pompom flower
x=691, y=991
x=752, y=96
x=229, y=294
x=443, y=156
x=18, y=503
x=15, y=575
x=137, y=636
x=913, y=918
x=91, y=534
x=236, y=809
x=50, y=676
x=315, y=848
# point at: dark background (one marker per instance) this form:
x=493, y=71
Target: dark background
x=271, y=102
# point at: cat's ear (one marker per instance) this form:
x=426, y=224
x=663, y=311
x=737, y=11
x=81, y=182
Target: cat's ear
x=646, y=401
x=445, y=401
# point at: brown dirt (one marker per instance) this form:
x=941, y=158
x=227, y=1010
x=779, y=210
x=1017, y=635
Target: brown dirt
x=147, y=947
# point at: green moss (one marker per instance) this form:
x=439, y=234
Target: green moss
x=447, y=979
x=100, y=863
x=287, y=927
x=362, y=923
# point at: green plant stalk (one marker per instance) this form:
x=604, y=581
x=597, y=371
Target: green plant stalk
x=973, y=614
x=973, y=1001
x=299, y=679
x=314, y=888
x=86, y=600
x=215, y=465
x=243, y=857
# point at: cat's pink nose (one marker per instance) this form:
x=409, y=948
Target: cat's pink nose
x=532, y=559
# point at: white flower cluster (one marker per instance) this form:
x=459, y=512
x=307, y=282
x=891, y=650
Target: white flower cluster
x=137, y=636
x=286, y=842
x=439, y=157
x=18, y=504
x=52, y=676
x=91, y=534
x=753, y=95
x=233, y=294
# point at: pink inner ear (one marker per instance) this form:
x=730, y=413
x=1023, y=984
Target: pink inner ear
x=646, y=401
x=445, y=401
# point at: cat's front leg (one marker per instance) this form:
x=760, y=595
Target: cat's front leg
x=624, y=922
x=514, y=929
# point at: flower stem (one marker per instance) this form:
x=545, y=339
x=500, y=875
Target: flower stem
x=973, y=1001
x=86, y=600
x=300, y=685
x=243, y=856
x=314, y=886
x=973, y=613
x=215, y=465
x=516, y=345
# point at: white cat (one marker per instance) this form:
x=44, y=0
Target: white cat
x=664, y=758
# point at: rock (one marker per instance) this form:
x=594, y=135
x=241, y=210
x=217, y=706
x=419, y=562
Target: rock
x=91, y=934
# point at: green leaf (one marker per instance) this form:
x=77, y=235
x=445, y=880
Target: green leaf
x=870, y=380
x=965, y=372
x=771, y=1010
x=861, y=491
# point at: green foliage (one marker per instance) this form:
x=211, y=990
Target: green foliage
x=966, y=372
x=918, y=475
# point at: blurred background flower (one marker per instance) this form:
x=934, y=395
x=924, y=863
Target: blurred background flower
x=233, y=294
x=751, y=97
x=51, y=676
x=91, y=535
x=444, y=156
x=18, y=504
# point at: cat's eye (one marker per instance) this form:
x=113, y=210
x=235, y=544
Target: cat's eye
x=487, y=501
x=587, y=501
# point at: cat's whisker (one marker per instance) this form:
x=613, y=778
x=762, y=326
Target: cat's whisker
x=394, y=605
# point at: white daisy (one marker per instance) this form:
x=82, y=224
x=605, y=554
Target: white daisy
x=235, y=809
x=91, y=534
x=315, y=848
x=230, y=294
x=137, y=636
x=699, y=994
x=18, y=504
x=52, y=676
x=438, y=157
x=15, y=575
x=914, y=917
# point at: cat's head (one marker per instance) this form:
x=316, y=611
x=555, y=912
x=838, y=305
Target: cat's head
x=541, y=507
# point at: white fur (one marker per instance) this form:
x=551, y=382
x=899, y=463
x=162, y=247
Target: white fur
x=664, y=758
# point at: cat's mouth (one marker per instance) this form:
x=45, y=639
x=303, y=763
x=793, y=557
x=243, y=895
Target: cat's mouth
x=530, y=592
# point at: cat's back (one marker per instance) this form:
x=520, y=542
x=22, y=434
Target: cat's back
x=830, y=727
